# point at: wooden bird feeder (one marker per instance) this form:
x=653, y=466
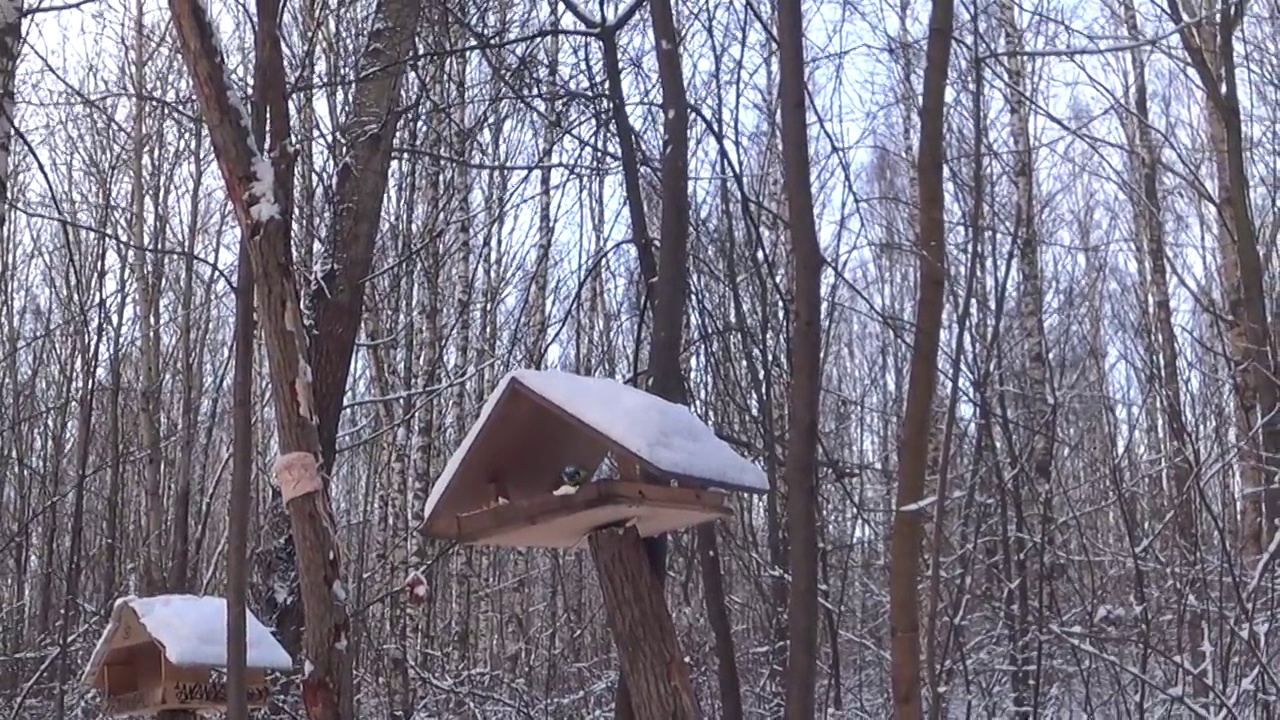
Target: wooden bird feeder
x=505, y=485
x=168, y=652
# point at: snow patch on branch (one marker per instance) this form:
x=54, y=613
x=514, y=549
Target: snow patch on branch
x=206, y=18
x=262, y=191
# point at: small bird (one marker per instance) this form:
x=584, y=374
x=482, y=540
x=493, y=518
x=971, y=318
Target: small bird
x=573, y=476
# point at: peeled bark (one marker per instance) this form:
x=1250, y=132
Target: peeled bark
x=260, y=184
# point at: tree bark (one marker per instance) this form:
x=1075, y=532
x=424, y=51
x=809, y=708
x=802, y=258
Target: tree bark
x=261, y=189
x=115, y=481
x=190, y=383
x=913, y=450
x=1210, y=47
x=241, y=487
x=88, y=352
x=537, y=345
x=1149, y=219
x=148, y=411
x=806, y=370
x=666, y=277
x=648, y=648
x=10, y=48
x=359, y=189
x=239, y=504
x=1038, y=482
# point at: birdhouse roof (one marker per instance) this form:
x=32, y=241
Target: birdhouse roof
x=191, y=630
x=536, y=422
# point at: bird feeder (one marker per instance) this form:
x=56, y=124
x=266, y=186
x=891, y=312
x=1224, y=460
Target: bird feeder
x=526, y=473
x=169, y=652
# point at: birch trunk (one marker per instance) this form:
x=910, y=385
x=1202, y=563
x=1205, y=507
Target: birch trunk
x=1039, y=460
x=546, y=233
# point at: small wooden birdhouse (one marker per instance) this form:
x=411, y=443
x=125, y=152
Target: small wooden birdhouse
x=168, y=652
x=526, y=475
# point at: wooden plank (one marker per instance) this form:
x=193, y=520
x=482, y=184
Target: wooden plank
x=568, y=532
x=208, y=694
x=518, y=453
x=656, y=508
x=128, y=703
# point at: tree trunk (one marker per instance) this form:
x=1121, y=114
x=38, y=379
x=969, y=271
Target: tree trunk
x=806, y=370
x=261, y=189
x=669, y=287
x=1034, y=344
x=917, y=423
x=88, y=352
x=148, y=412
x=537, y=346
x=648, y=648
x=1149, y=218
x=359, y=189
x=190, y=381
x=10, y=47
x=1210, y=47
x=115, y=481
x=239, y=505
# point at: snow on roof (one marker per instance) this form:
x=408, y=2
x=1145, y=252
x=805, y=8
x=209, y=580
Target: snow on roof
x=192, y=631
x=659, y=432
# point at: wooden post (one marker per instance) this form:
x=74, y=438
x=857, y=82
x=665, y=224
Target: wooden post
x=648, y=649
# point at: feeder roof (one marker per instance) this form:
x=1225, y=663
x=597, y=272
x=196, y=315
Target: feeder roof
x=191, y=630
x=536, y=422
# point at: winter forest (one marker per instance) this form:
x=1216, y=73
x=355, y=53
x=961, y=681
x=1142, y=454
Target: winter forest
x=987, y=288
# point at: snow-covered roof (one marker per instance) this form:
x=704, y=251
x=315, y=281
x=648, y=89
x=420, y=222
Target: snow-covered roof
x=662, y=434
x=192, y=632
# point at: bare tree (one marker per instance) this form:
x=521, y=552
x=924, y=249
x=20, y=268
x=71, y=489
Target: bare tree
x=917, y=424
x=806, y=368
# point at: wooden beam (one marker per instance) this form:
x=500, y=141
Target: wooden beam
x=655, y=505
